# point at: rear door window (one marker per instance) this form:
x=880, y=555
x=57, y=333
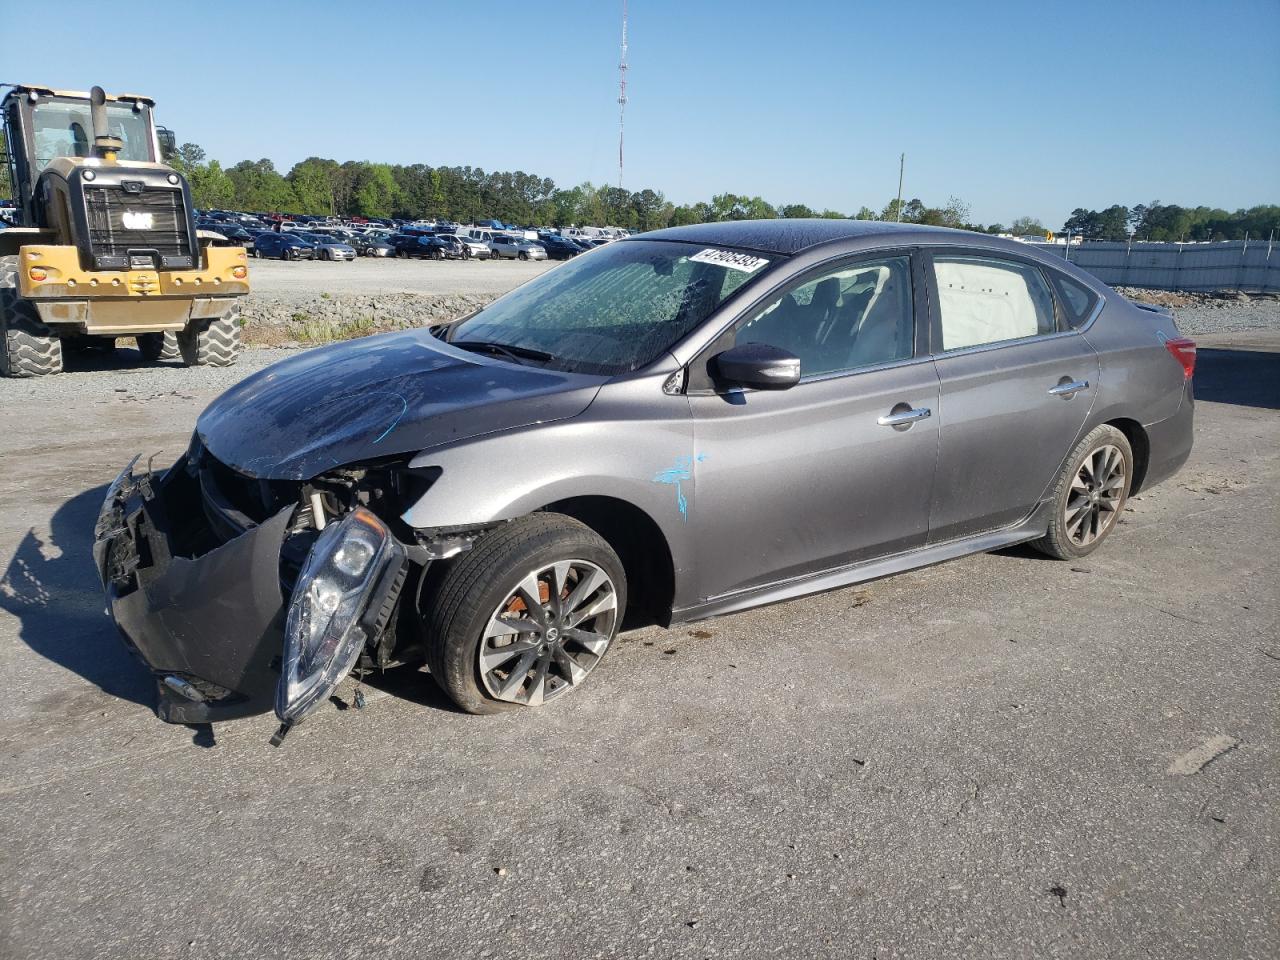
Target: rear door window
x=985, y=300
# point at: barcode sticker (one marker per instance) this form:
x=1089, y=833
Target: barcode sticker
x=728, y=258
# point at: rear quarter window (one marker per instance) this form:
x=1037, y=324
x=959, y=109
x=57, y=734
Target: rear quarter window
x=1076, y=300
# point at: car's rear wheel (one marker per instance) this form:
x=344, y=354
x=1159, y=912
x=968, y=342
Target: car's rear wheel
x=526, y=615
x=1089, y=495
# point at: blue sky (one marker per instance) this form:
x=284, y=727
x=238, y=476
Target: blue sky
x=1017, y=108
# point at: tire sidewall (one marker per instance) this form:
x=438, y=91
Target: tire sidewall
x=460, y=668
x=1105, y=435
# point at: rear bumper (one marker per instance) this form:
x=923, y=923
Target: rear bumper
x=1171, y=441
x=212, y=625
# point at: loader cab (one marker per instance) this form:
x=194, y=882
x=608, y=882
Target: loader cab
x=42, y=124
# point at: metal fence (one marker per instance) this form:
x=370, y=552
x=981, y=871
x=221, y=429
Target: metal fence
x=1249, y=265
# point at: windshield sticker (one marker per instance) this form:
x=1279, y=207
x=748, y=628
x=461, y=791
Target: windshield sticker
x=727, y=258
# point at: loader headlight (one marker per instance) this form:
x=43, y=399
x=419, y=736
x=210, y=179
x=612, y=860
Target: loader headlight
x=345, y=584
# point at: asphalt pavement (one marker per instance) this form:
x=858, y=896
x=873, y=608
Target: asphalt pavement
x=1004, y=756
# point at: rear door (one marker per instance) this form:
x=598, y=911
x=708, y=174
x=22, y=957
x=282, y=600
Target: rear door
x=1017, y=384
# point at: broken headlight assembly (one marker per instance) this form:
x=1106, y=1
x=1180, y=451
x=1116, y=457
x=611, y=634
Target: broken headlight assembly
x=342, y=599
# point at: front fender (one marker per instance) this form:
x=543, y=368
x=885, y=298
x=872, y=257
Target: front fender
x=644, y=460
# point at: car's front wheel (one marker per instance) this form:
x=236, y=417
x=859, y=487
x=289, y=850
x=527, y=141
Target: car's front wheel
x=1089, y=494
x=526, y=615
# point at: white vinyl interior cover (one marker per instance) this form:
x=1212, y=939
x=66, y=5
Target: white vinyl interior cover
x=982, y=303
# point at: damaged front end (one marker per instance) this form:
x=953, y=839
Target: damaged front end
x=240, y=594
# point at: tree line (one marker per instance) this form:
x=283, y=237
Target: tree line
x=421, y=192
x=1168, y=221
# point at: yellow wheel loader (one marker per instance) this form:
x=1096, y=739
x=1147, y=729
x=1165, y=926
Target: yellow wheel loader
x=105, y=243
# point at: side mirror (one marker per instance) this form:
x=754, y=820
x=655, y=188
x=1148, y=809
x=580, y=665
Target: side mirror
x=757, y=365
x=168, y=142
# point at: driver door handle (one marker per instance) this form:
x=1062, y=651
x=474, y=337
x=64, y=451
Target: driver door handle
x=906, y=416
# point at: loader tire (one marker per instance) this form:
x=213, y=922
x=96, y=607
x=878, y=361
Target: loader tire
x=28, y=348
x=216, y=344
x=159, y=346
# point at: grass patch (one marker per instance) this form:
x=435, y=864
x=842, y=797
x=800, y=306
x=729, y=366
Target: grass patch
x=328, y=331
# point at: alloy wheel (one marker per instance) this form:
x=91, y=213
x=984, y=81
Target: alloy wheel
x=549, y=632
x=1097, y=492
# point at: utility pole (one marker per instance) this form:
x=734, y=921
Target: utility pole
x=902, y=165
x=622, y=89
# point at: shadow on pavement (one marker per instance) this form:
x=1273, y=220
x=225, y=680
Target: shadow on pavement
x=1248, y=378
x=51, y=586
x=122, y=358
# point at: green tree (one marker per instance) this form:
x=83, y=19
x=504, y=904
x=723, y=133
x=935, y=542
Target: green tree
x=1027, y=226
x=796, y=210
x=374, y=190
x=729, y=206
x=312, y=184
x=211, y=188
x=260, y=188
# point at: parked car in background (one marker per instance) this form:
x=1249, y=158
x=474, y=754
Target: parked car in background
x=406, y=244
x=511, y=248
x=705, y=419
x=368, y=245
x=232, y=234
x=444, y=246
x=557, y=247
x=282, y=246
x=329, y=247
x=474, y=249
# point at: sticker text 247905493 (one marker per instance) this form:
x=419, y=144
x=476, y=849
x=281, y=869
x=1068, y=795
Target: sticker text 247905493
x=727, y=258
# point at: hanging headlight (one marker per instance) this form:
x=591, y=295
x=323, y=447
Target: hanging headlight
x=347, y=585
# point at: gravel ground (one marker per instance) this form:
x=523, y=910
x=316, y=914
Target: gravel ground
x=307, y=303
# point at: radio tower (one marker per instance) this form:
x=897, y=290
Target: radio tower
x=622, y=89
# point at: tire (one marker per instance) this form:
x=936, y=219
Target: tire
x=28, y=348
x=482, y=581
x=216, y=344
x=1089, y=495
x=158, y=346
x=523, y=255
x=437, y=254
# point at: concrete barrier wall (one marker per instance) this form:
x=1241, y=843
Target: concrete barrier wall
x=1249, y=265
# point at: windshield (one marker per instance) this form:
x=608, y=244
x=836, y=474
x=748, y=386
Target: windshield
x=616, y=310
x=64, y=128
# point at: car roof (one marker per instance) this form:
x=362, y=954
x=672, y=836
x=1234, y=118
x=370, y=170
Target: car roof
x=788, y=236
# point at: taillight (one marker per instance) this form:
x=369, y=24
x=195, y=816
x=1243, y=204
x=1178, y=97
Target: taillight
x=1184, y=351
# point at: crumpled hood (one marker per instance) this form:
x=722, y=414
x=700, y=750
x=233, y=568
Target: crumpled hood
x=395, y=393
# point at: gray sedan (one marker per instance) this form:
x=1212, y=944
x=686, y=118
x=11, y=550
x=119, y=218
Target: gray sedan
x=683, y=424
x=328, y=247
x=514, y=248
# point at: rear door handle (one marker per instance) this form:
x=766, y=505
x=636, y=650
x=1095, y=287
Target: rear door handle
x=1068, y=390
x=905, y=417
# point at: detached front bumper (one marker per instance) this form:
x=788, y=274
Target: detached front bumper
x=211, y=628
x=198, y=591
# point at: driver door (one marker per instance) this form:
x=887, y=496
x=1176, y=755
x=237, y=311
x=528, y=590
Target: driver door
x=798, y=481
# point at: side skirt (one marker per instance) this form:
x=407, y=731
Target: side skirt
x=1031, y=528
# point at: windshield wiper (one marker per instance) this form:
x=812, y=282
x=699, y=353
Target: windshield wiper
x=510, y=351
